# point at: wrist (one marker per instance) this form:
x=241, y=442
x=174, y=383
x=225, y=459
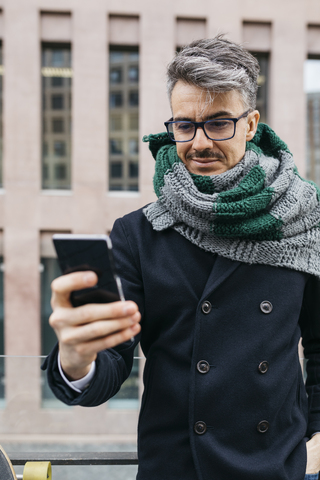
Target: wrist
x=78, y=385
x=74, y=372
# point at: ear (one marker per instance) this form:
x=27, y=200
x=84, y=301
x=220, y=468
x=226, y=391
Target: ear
x=252, y=124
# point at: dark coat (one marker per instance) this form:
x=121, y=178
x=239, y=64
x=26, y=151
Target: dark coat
x=244, y=323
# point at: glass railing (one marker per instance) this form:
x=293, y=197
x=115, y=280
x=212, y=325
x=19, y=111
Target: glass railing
x=82, y=443
x=29, y=423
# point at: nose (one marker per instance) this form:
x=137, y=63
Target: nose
x=201, y=141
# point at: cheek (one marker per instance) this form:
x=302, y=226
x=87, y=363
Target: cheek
x=234, y=147
x=240, y=149
x=182, y=149
x=235, y=153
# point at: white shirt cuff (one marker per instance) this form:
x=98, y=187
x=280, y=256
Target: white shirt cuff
x=82, y=383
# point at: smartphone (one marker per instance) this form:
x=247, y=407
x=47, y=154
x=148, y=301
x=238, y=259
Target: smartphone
x=89, y=252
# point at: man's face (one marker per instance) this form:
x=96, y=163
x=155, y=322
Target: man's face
x=202, y=155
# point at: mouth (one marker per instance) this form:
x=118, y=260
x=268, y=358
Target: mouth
x=204, y=161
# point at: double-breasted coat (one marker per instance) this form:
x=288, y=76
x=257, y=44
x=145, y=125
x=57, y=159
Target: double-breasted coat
x=224, y=395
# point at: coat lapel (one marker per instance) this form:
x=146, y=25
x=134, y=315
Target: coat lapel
x=221, y=270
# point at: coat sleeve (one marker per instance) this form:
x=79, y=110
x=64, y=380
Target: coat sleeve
x=310, y=330
x=113, y=366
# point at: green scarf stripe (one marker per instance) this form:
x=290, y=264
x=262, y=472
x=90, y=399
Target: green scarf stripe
x=252, y=184
x=167, y=159
x=203, y=183
x=263, y=227
x=245, y=200
x=266, y=142
x=244, y=208
x=156, y=142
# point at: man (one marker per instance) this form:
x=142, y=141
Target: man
x=223, y=271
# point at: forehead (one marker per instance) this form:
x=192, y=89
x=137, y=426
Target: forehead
x=194, y=103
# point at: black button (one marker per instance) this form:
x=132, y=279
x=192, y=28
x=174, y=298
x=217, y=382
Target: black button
x=263, y=367
x=263, y=426
x=200, y=428
x=203, y=366
x=266, y=307
x=206, y=307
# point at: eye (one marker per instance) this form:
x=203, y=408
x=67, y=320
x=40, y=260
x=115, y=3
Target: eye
x=215, y=125
x=183, y=127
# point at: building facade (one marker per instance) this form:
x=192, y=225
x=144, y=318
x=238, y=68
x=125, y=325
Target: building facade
x=81, y=83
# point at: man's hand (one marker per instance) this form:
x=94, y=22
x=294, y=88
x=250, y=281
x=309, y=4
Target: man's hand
x=84, y=331
x=313, y=454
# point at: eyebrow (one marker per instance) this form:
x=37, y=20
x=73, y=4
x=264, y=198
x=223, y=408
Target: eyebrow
x=221, y=113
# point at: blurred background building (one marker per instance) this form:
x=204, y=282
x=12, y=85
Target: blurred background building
x=80, y=83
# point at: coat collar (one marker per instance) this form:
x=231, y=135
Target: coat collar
x=221, y=270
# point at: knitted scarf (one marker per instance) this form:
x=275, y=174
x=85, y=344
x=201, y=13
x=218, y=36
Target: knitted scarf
x=259, y=212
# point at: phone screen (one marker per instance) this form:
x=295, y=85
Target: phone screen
x=89, y=252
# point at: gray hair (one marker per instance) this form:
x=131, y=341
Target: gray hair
x=216, y=65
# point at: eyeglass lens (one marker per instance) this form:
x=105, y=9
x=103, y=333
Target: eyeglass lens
x=215, y=130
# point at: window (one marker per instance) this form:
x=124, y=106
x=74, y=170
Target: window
x=124, y=119
x=115, y=122
x=133, y=99
x=57, y=125
x=116, y=57
x=134, y=56
x=58, y=57
x=263, y=79
x=116, y=99
x=56, y=115
x=57, y=82
x=133, y=146
x=134, y=122
x=133, y=170
x=312, y=90
x=57, y=102
x=45, y=171
x=60, y=171
x=45, y=149
x=116, y=75
x=133, y=74
x=59, y=149
x=116, y=170
x=116, y=146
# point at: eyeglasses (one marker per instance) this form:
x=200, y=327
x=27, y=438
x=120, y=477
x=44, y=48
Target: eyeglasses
x=217, y=130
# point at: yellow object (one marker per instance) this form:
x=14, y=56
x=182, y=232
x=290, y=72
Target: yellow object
x=37, y=471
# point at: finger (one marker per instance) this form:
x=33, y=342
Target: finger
x=91, y=313
x=313, y=459
x=88, y=349
x=97, y=330
x=63, y=286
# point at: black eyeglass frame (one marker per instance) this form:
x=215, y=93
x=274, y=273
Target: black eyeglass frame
x=202, y=124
